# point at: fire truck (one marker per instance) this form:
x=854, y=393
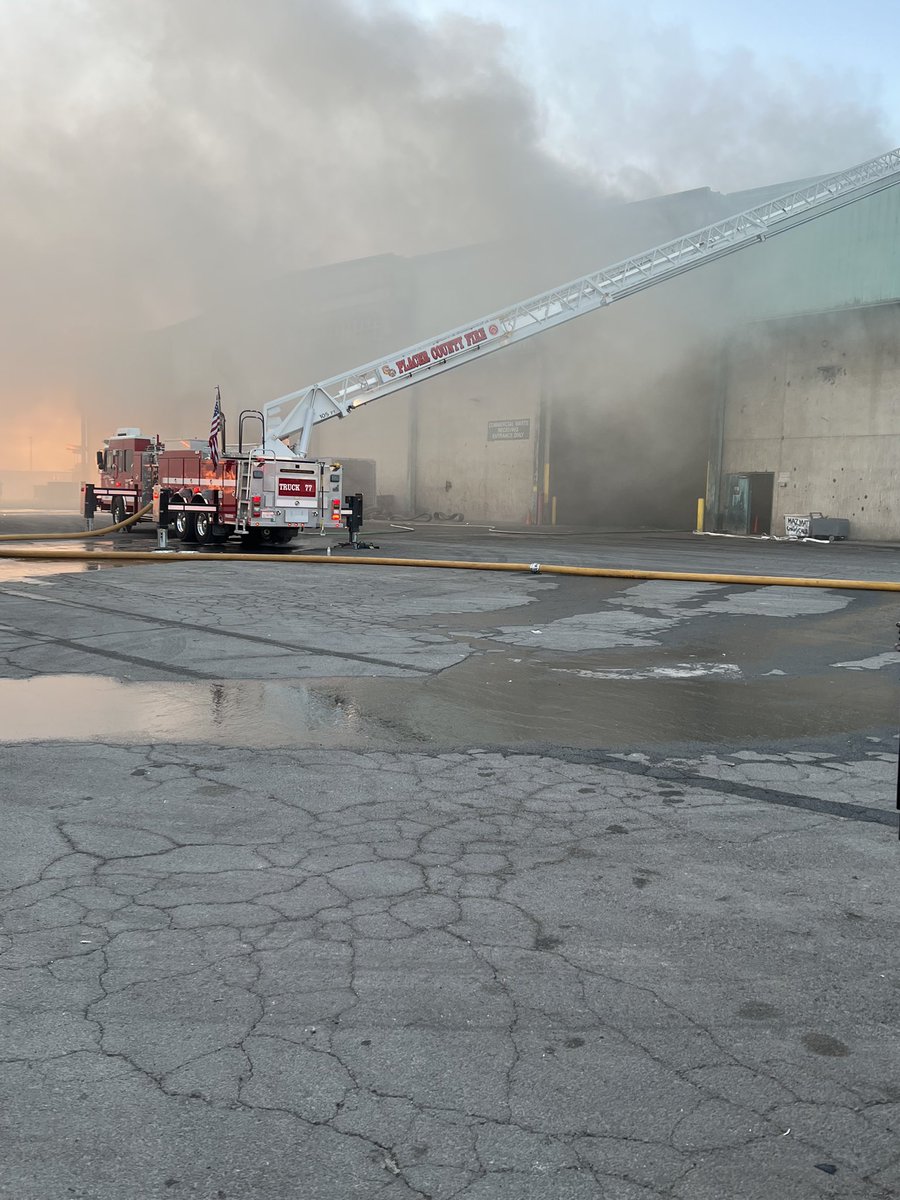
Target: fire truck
x=267, y=494
x=127, y=465
x=264, y=493
x=273, y=491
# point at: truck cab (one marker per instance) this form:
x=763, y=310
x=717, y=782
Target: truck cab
x=127, y=465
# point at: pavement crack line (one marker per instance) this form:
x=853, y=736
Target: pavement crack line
x=725, y=787
x=814, y=804
x=134, y=660
x=212, y=631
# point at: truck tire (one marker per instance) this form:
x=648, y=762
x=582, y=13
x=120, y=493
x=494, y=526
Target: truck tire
x=203, y=525
x=117, y=510
x=184, y=526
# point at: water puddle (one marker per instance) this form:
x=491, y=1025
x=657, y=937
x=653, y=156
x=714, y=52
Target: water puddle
x=13, y=571
x=235, y=713
x=500, y=700
x=678, y=671
x=875, y=663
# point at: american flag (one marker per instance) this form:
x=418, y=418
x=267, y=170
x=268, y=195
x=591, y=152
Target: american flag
x=214, y=431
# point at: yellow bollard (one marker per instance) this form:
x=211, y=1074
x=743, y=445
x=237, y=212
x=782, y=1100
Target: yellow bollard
x=701, y=513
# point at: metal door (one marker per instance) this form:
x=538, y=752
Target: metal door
x=737, y=504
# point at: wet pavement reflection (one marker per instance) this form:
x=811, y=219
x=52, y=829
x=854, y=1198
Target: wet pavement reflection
x=246, y=713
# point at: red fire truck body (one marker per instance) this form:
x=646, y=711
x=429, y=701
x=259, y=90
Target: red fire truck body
x=267, y=495
x=128, y=469
x=263, y=497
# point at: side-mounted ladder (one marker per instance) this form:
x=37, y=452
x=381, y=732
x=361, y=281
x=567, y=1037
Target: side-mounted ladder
x=291, y=418
x=245, y=468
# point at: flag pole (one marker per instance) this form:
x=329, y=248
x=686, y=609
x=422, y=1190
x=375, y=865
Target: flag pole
x=222, y=420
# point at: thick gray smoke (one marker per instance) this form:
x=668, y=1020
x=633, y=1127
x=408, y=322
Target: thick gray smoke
x=160, y=156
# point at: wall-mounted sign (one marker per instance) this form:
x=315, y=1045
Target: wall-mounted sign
x=510, y=431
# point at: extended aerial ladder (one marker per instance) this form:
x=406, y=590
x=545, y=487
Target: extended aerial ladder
x=291, y=418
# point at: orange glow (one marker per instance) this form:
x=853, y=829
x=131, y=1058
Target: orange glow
x=38, y=433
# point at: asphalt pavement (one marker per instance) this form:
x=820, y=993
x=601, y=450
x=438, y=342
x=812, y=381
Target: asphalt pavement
x=338, y=883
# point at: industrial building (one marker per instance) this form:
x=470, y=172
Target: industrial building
x=809, y=406
x=768, y=382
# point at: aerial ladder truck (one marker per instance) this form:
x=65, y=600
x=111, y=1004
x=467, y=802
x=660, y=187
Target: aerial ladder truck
x=274, y=489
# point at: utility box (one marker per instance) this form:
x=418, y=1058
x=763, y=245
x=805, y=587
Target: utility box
x=837, y=528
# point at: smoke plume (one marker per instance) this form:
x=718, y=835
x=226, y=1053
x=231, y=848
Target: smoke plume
x=161, y=156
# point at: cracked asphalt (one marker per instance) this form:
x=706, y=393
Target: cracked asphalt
x=380, y=883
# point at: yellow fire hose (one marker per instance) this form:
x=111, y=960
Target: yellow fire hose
x=147, y=556
x=120, y=556
x=85, y=533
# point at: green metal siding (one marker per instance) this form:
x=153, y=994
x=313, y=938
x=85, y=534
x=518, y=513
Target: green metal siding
x=846, y=259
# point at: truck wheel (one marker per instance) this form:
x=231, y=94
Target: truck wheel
x=184, y=526
x=203, y=526
x=117, y=510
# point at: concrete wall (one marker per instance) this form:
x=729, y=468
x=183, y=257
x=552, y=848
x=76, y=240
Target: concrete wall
x=816, y=400
x=632, y=392
x=617, y=402
x=432, y=445
x=617, y=405
x=460, y=465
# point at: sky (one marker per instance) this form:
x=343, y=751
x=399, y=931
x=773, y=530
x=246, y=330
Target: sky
x=824, y=35
x=159, y=155
x=585, y=56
